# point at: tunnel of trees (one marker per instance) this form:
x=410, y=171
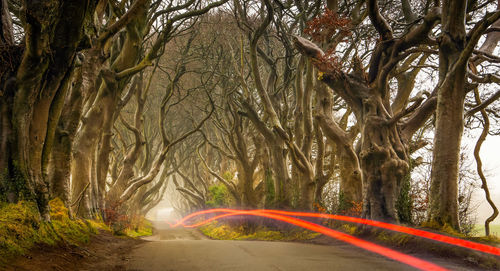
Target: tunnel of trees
x=354, y=107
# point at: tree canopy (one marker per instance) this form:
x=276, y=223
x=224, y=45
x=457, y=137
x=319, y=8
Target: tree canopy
x=282, y=104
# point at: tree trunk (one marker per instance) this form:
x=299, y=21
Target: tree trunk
x=351, y=185
x=98, y=120
x=350, y=171
x=60, y=163
x=446, y=153
x=51, y=39
x=384, y=162
x=102, y=156
x=281, y=178
x=12, y=54
x=245, y=175
x=6, y=30
x=307, y=189
x=84, y=149
x=307, y=182
x=449, y=117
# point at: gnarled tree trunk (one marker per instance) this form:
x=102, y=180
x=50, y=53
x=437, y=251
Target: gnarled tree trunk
x=351, y=182
x=98, y=119
x=383, y=159
x=51, y=40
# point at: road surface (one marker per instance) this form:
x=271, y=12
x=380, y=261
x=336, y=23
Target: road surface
x=187, y=249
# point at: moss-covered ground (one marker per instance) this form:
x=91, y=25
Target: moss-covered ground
x=21, y=228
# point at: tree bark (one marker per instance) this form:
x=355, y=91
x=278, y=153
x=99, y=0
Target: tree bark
x=384, y=162
x=12, y=54
x=99, y=118
x=6, y=30
x=51, y=40
x=383, y=156
x=351, y=182
x=449, y=117
x=60, y=163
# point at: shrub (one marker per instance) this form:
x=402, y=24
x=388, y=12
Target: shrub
x=218, y=196
x=116, y=220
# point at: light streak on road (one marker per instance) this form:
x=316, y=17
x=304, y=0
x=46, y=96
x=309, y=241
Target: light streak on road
x=387, y=252
x=398, y=228
x=416, y=232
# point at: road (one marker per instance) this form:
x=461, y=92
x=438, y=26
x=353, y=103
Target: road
x=187, y=249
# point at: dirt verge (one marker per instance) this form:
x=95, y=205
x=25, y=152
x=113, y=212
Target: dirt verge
x=104, y=251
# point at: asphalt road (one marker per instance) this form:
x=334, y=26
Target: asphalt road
x=185, y=249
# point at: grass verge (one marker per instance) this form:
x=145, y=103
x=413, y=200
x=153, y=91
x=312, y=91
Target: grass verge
x=141, y=227
x=21, y=228
x=221, y=231
x=479, y=230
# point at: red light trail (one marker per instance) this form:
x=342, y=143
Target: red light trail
x=416, y=232
x=420, y=233
x=387, y=252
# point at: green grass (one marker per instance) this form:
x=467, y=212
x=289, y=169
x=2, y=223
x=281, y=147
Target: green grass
x=142, y=228
x=494, y=230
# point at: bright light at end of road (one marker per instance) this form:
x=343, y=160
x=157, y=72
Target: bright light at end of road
x=164, y=213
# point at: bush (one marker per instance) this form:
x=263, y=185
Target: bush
x=116, y=220
x=218, y=196
x=123, y=224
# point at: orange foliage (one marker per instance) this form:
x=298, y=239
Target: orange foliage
x=325, y=26
x=114, y=219
x=319, y=208
x=330, y=28
x=355, y=210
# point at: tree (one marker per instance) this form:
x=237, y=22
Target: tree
x=383, y=154
x=455, y=49
x=33, y=91
x=128, y=55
